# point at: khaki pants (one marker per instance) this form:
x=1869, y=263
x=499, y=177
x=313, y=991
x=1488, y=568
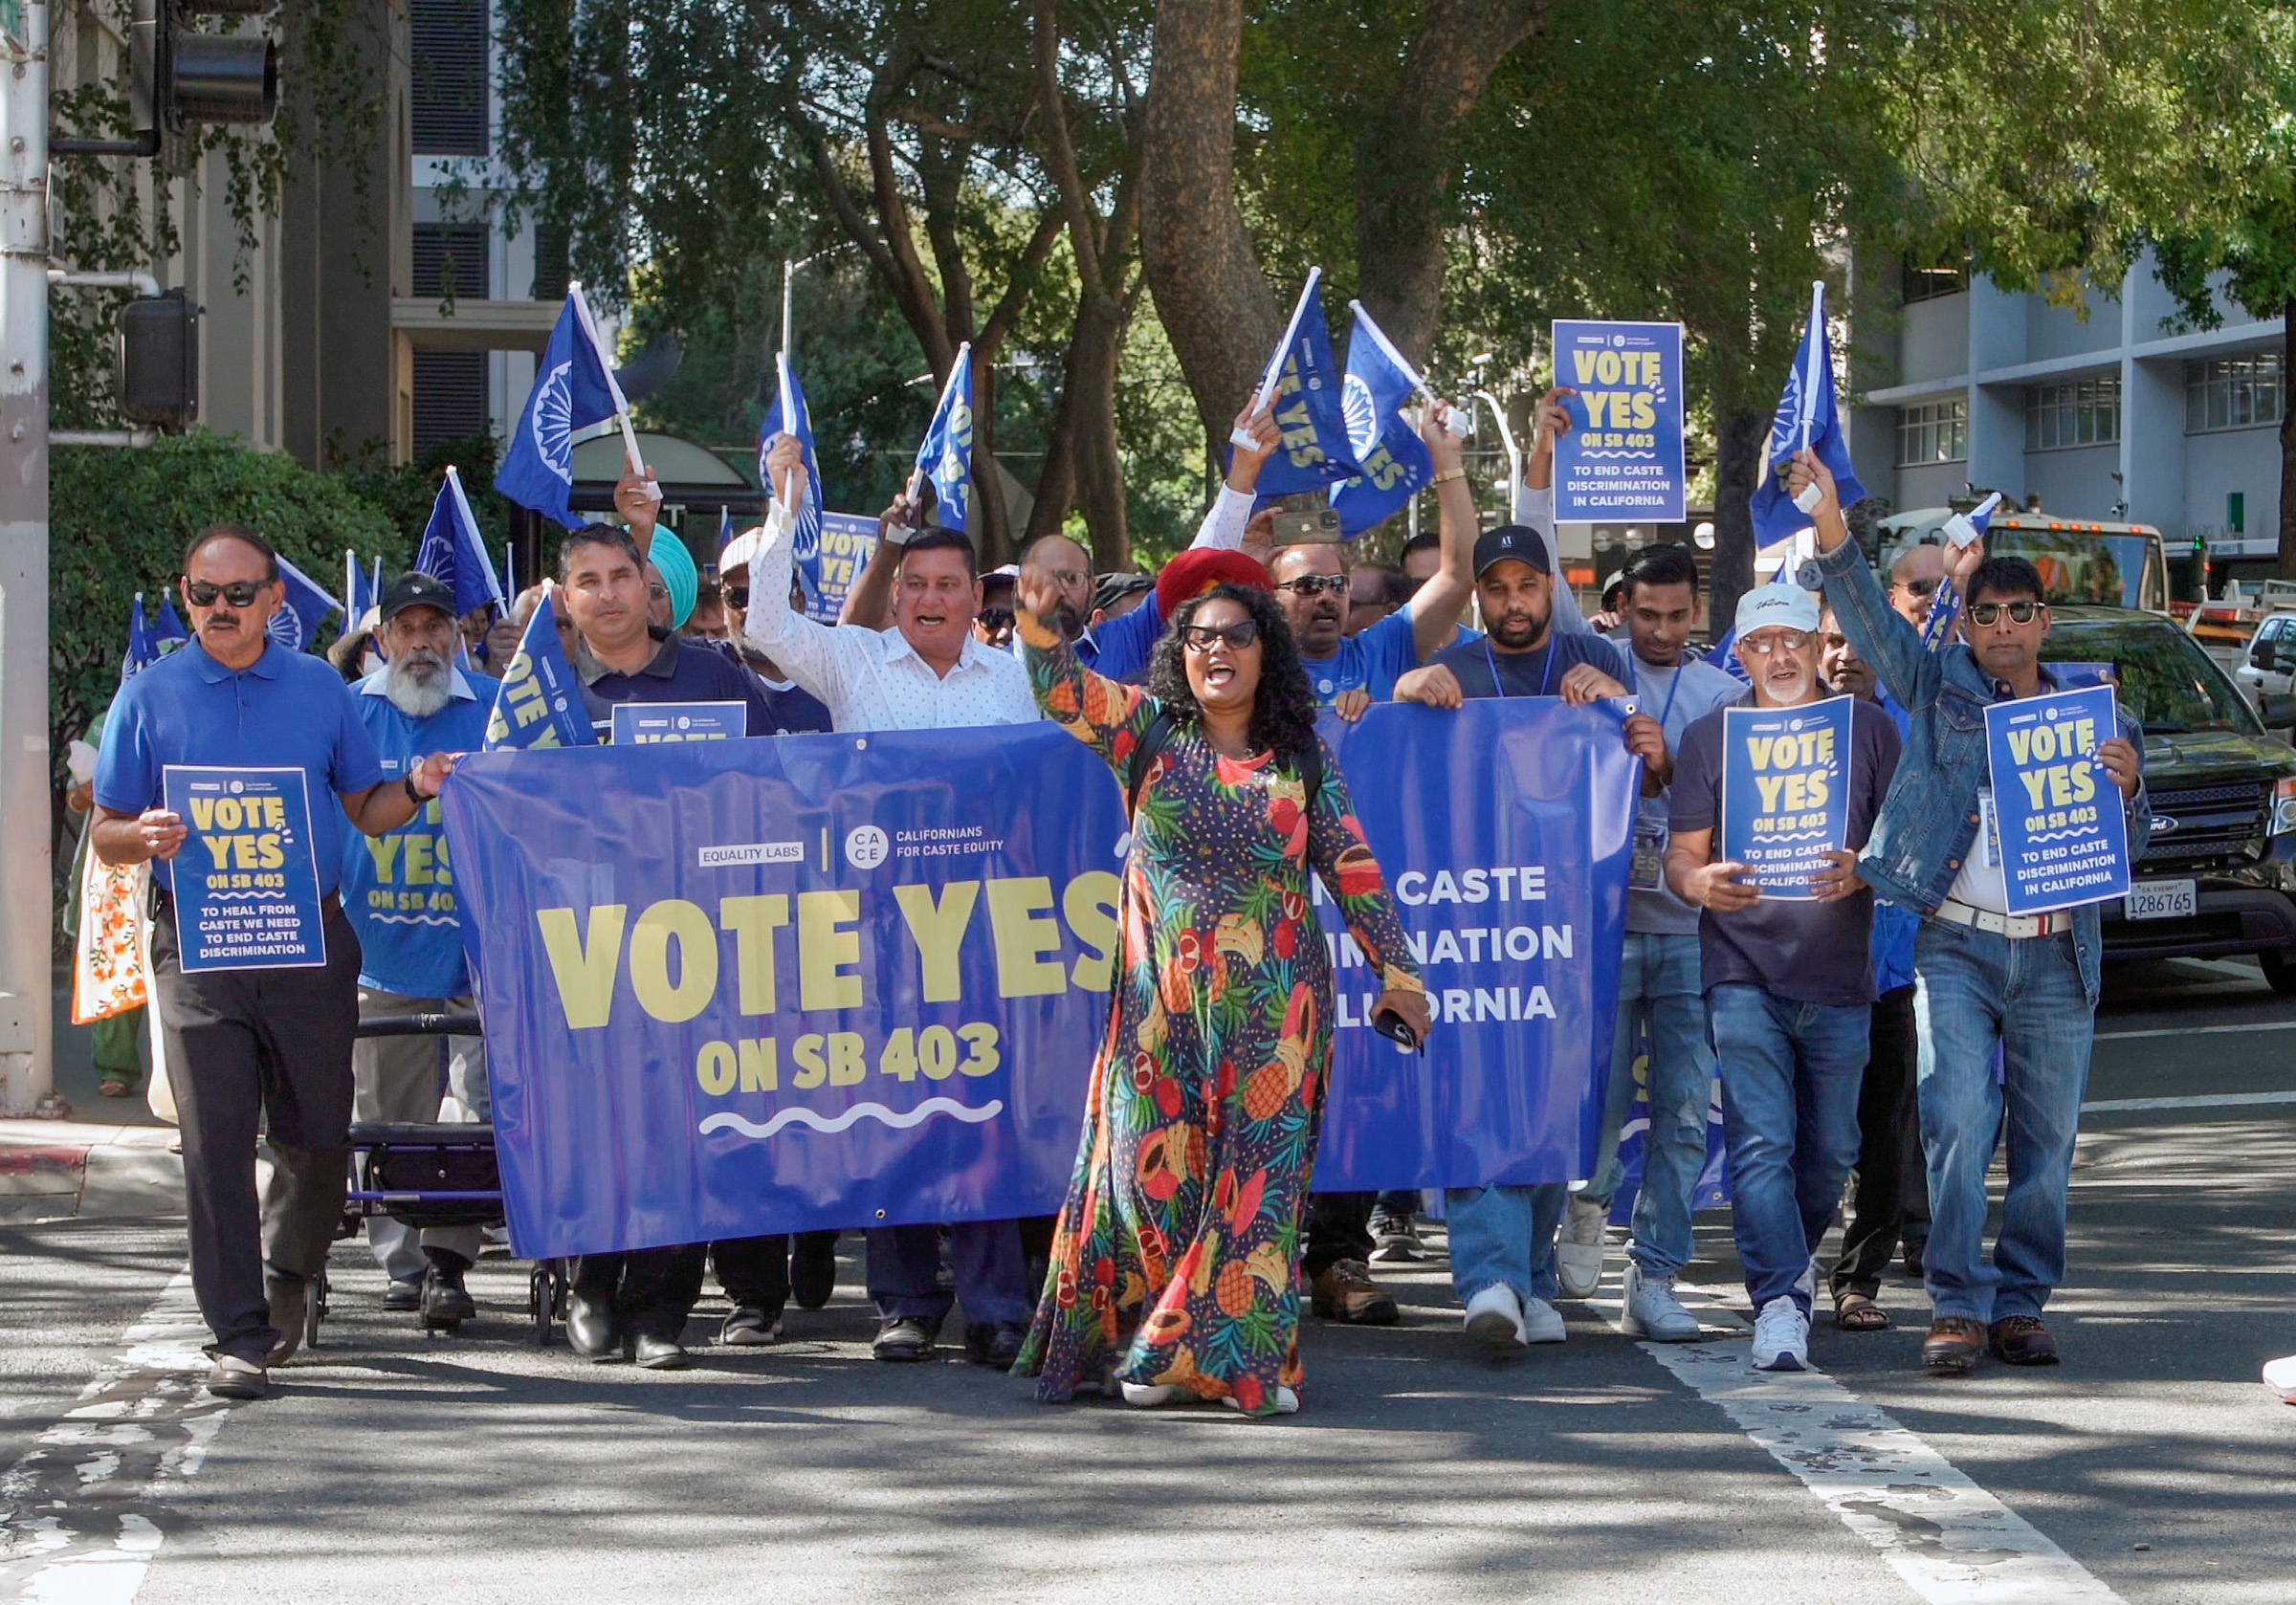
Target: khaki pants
x=399, y=1078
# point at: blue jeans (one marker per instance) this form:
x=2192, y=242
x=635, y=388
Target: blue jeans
x=905, y=1276
x=1972, y=989
x=1658, y=979
x=1790, y=1077
x=1504, y=1236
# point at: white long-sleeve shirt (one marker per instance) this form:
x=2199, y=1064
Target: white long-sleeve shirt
x=1534, y=509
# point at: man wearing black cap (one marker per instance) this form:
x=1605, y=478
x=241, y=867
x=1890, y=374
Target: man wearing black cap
x=397, y=890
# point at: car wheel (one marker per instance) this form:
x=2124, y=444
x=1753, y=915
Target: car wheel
x=2280, y=972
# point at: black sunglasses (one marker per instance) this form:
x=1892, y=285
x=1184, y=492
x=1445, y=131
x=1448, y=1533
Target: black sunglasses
x=1202, y=638
x=2020, y=612
x=1920, y=587
x=239, y=593
x=1316, y=585
x=737, y=596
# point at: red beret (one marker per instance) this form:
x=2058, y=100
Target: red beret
x=1199, y=568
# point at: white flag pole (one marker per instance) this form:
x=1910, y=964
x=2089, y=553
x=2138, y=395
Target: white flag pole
x=1275, y=363
x=350, y=587
x=1809, y=377
x=781, y=363
x=613, y=386
x=1461, y=421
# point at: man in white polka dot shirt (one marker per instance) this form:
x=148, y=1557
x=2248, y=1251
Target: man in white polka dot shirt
x=927, y=672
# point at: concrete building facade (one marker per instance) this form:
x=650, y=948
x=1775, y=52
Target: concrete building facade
x=2103, y=410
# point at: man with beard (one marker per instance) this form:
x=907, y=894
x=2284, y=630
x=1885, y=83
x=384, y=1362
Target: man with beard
x=246, y=1047
x=1503, y=1238
x=1789, y=984
x=399, y=891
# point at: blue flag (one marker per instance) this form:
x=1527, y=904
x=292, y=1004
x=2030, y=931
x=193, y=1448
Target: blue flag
x=308, y=603
x=788, y=414
x=540, y=704
x=1395, y=460
x=1807, y=416
x=1310, y=409
x=357, y=596
x=142, y=651
x=945, y=456
x=572, y=390
x=1945, y=606
x=453, y=554
x=168, y=633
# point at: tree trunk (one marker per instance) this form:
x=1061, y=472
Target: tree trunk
x=1056, y=481
x=991, y=532
x=1091, y=393
x=1201, y=268
x=2287, y=455
x=1406, y=161
x=1739, y=438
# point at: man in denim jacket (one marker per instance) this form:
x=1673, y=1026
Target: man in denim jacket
x=1982, y=977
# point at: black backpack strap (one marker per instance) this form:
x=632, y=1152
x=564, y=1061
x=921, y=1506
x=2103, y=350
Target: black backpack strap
x=1311, y=769
x=1135, y=767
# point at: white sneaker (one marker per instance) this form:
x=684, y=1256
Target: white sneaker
x=1147, y=1395
x=2280, y=1376
x=1781, y=1336
x=1542, y=1323
x=1287, y=1402
x=1652, y=1310
x=1579, y=1246
x=1494, y=1319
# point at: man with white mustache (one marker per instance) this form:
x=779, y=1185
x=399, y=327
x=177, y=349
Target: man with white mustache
x=1789, y=985
x=399, y=891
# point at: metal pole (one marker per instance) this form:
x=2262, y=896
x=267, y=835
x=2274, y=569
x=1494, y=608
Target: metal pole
x=27, y=1067
x=788, y=271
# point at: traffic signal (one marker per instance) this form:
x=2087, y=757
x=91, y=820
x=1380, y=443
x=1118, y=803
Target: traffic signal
x=184, y=77
x=156, y=375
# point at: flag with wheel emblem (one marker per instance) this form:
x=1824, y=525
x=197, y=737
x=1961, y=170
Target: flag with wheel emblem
x=572, y=390
x=294, y=625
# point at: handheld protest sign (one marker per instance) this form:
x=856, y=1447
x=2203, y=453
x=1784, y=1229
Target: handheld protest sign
x=247, y=878
x=1785, y=792
x=2064, y=837
x=1621, y=457
x=638, y=723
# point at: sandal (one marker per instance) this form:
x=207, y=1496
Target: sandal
x=112, y=1086
x=1855, y=1313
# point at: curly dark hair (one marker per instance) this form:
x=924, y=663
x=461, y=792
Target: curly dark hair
x=1283, y=713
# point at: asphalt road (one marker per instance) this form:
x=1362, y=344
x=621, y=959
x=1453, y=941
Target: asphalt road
x=2151, y=1466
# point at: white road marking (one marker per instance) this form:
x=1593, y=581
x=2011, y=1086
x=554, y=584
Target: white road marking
x=75, y=1512
x=2194, y=1030
x=1950, y=1541
x=2197, y=1100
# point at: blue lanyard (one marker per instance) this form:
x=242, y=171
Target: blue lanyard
x=1671, y=690
x=1546, y=675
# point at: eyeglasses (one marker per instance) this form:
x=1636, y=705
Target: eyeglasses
x=1920, y=587
x=1316, y=585
x=239, y=593
x=1202, y=638
x=737, y=596
x=2020, y=612
x=1074, y=579
x=659, y=593
x=1773, y=641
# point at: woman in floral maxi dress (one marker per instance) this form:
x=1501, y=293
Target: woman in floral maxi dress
x=1184, y=1212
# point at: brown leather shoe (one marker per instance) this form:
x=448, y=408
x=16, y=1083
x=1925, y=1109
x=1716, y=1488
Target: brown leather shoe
x=1344, y=1291
x=2022, y=1340
x=1953, y=1346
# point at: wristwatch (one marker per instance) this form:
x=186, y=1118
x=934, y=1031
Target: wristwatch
x=1447, y=475
x=412, y=796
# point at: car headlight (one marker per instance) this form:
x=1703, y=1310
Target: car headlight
x=2284, y=806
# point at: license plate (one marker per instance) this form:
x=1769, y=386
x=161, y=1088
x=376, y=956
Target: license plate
x=2160, y=900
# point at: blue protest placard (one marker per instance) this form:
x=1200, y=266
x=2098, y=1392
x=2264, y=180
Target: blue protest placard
x=644, y=723
x=1785, y=792
x=1623, y=456
x=246, y=878
x=847, y=541
x=2057, y=813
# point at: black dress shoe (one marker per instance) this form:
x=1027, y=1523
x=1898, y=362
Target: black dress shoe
x=2022, y=1340
x=403, y=1297
x=590, y=1328
x=996, y=1344
x=660, y=1353
x=813, y=1269
x=749, y=1327
x=905, y=1337
x=446, y=1302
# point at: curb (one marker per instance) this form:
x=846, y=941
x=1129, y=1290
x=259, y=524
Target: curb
x=65, y=1170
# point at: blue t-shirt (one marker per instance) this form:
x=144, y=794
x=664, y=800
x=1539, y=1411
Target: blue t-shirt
x=1483, y=671
x=796, y=711
x=285, y=711
x=1372, y=659
x=398, y=888
x=1120, y=648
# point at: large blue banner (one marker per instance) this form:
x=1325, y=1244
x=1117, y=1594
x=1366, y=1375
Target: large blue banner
x=838, y=981
x=1621, y=459
x=2063, y=837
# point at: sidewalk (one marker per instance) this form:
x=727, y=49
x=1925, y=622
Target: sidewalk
x=110, y=1161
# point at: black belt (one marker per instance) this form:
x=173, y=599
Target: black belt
x=162, y=900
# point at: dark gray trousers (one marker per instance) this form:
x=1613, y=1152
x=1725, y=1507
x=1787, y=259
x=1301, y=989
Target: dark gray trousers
x=247, y=1048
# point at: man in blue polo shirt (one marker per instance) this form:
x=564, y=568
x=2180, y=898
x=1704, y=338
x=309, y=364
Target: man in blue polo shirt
x=248, y=1045
x=399, y=891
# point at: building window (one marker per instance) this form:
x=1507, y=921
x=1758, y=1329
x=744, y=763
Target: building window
x=447, y=54
x=454, y=261
x=2084, y=413
x=2234, y=392
x=1932, y=432
x=1927, y=284
x=550, y=269
x=449, y=398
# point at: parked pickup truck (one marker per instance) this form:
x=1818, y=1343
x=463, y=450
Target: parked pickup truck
x=2217, y=878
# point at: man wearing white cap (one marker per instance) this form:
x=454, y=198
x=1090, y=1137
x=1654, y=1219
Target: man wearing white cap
x=1789, y=987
